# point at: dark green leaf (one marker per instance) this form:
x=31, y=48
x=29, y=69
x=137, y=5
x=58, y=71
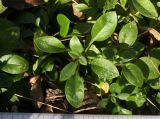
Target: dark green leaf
x=133, y=74
x=9, y=35
x=149, y=66
x=155, y=83
x=49, y=44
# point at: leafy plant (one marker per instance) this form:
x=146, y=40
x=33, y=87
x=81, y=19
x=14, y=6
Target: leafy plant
x=107, y=47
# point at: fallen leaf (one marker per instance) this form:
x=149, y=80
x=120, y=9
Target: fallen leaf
x=36, y=91
x=76, y=13
x=154, y=33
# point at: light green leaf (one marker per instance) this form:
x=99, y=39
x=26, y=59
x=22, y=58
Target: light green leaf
x=128, y=33
x=74, y=90
x=2, y=8
x=149, y=67
x=158, y=98
x=49, y=44
x=68, y=71
x=110, y=4
x=13, y=64
x=64, y=23
x=76, y=45
x=81, y=7
x=82, y=60
x=139, y=99
x=104, y=27
x=133, y=74
x=146, y=8
x=104, y=68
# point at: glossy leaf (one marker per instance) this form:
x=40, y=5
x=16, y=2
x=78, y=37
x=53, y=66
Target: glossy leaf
x=64, y=23
x=49, y=44
x=76, y=46
x=68, y=71
x=104, y=27
x=104, y=68
x=146, y=8
x=149, y=67
x=81, y=7
x=74, y=90
x=13, y=64
x=128, y=33
x=133, y=74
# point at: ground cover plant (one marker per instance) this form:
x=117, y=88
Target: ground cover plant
x=80, y=56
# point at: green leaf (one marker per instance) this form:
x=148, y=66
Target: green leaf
x=75, y=45
x=104, y=27
x=110, y=4
x=81, y=7
x=2, y=8
x=5, y=80
x=49, y=44
x=64, y=23
x=158, y=98
x=146, y=8
x=82, y=28
x=139, y=99
x=116, y=88
x=26, y=18
x=128, y=33
x=13, y=64
x=149, y=67
x=103, y=103
x=9, y=35
x=47, y=65
x=68, y=71
x=74, y=90
x=155, y=53
x=155, y=83
x=133, y=74
x=104, y=68
x=123, y=2
x=82, y=60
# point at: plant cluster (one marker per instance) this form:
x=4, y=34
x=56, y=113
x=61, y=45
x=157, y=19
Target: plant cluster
x=110, y=47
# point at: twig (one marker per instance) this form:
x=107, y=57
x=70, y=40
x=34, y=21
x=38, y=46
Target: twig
x=41, y=103
x=153, y=104
x=85, y=109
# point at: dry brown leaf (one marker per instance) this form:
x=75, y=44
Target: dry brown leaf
x=154, y=33
x=36, y=91
x=76, y=13
x=89, y=104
